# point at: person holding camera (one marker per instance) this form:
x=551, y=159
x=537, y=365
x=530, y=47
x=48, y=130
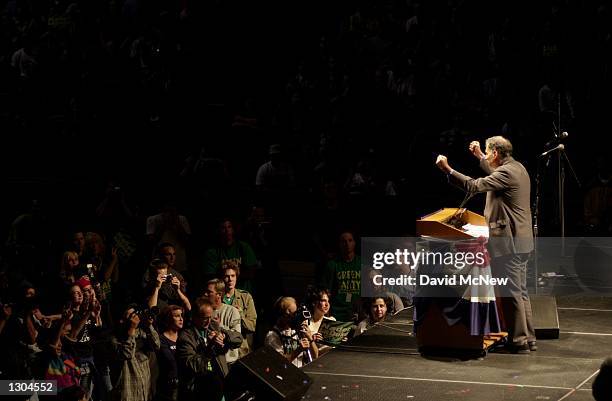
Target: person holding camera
x=291, y=336
x=86, y=323
x=165, y=288
x=101, y=266
x=201, y=351
x=226, y=316
x=55, y=362
x=134, y=339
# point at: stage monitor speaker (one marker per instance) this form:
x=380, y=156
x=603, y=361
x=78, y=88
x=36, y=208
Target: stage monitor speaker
x=266, y=375
x=545, y=316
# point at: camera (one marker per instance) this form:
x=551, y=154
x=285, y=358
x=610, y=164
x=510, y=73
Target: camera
x=147, y=313
x=95, y=284
x=168, y=277
x=91, y=269
x=301, y=314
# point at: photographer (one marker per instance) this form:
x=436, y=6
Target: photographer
x=101, y=266
x=86, y=324
x=227, y=316
x=164, y=288
x=55, y=362
x=134, y=339
x=291, y=336
x=201, y=353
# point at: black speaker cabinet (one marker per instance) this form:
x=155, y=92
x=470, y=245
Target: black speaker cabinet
x=545, y=316
x=268, y=376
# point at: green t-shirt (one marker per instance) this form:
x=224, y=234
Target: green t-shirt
x=238, y=254
x=344, y=281
x=229, y=300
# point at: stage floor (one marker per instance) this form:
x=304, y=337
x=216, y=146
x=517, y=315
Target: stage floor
x=384, y=364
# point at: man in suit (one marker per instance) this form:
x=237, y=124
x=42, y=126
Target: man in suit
x=200, y=354
x=508, y=215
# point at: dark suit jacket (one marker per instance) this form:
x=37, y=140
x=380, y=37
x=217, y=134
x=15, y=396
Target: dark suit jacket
x=507, y=209
x=193, y=354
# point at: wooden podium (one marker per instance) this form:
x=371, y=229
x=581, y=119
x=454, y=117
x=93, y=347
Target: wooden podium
x=436, y=224
x=434, y=335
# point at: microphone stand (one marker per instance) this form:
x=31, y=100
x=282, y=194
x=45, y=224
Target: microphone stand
x=536, y=208
x=558, y=136
x=561, y=156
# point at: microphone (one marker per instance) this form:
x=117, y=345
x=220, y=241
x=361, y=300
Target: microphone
x=558, y=137
x=455, y=219
x=558, y=147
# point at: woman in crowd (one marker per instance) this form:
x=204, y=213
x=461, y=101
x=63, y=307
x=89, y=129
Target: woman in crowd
x=69, y=266
x=319, y=308
x=105, y=268
x=76, y=298
x=164, y=288
x=55, y=363
x=86, y=324
x=170, y=324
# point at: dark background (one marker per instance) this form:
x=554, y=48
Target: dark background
x=127, y=90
